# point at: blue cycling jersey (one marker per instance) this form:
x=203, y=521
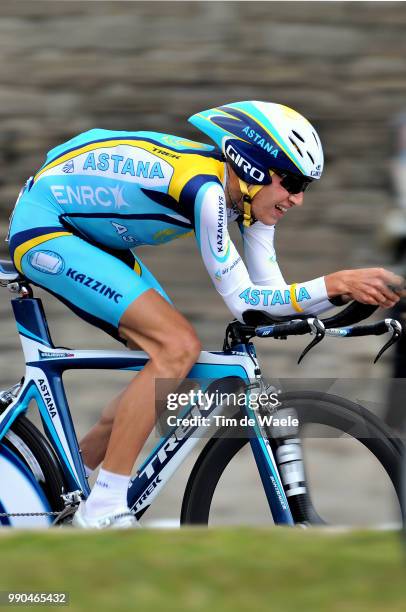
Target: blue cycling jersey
x=105, y=192
x=123, y=189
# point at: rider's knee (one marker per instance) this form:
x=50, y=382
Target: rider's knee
x=106, y=419
x=191, y=347
x=179, y=353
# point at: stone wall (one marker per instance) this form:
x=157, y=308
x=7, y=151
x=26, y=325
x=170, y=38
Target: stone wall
x=70, y=66
x=66, y=67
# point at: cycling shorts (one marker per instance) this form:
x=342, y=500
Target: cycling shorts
x=95, y=282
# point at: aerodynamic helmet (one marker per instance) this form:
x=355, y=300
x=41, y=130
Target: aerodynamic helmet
x=256, y=137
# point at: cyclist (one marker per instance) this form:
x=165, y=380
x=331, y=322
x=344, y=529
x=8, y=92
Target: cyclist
x=103, y=193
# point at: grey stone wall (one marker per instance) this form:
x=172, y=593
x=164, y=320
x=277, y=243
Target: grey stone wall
x=69, y=66
x=66, y=67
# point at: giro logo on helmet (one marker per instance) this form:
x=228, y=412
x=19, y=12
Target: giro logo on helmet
x=248, y=168
x=316, y=173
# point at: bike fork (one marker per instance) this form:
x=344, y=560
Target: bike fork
x=287, y=447
x=278, y=454
x=265, y=460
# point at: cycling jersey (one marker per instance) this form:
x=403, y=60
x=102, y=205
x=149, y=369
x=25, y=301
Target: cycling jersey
x=104, y=193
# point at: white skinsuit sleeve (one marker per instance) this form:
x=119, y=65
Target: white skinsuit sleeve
x=260, y=257
x=265, y=290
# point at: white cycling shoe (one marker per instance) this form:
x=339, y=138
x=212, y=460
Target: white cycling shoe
x=122, y=518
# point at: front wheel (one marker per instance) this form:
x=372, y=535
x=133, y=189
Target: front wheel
x=31, y=481
x=354, y=435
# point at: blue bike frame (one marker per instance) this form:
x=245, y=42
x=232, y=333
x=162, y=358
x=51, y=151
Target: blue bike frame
x=45, y=365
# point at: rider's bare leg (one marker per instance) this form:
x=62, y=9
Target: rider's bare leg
x=94, y=444
x=170, y=341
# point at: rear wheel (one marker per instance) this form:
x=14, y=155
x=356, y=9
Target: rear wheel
x=31, y=481
x=353, y=424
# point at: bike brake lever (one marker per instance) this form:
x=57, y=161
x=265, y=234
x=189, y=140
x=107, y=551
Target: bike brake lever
x=319, y=330
x=396, y=333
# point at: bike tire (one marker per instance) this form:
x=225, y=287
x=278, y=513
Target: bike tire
x=33, y=457
x=312, y=407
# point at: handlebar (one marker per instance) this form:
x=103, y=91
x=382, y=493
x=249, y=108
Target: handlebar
x=355, y=312
x=262, y=325
x=372, y=329
x=282, y=330
x=299, y=328
x=317, y=328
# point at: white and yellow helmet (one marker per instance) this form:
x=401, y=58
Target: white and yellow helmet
x=256, y=137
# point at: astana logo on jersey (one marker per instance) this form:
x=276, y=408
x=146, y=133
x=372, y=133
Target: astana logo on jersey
x=69, y=167
x=119, y=164
x=124, y=163
x=270, y=297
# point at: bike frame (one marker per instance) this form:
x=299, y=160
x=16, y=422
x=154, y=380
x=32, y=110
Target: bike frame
x=43, y=383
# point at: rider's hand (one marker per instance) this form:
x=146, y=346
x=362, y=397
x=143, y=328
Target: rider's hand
x=367, y=285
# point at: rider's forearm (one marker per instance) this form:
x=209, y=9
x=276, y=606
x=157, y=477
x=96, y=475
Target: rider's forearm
x=230, y=275
x=278, y=300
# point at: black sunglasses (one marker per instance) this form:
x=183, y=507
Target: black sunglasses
x=292, y=182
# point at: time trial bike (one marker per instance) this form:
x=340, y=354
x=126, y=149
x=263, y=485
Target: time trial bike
x=42, y=477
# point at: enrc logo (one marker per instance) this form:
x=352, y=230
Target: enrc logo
x=86, y=195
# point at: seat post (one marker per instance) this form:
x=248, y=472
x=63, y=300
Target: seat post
x=31, y=320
